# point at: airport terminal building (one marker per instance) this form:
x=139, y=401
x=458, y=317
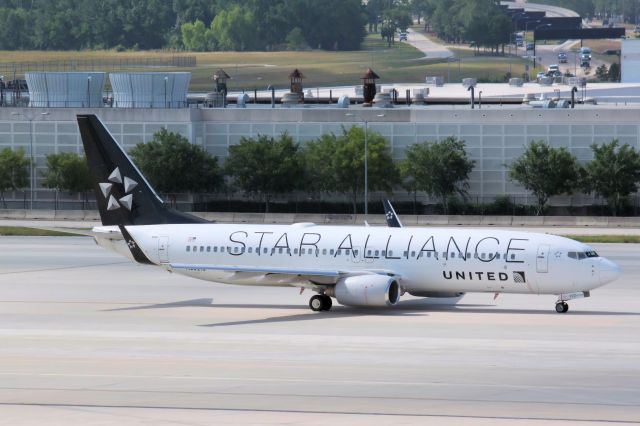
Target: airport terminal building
x=494, y=135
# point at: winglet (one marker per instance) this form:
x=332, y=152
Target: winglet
x=393, y=221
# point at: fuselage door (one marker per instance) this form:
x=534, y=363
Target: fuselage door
x=542, y=259
x=163, y=249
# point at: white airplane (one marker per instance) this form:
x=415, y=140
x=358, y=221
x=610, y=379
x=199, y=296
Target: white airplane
x=356, y=265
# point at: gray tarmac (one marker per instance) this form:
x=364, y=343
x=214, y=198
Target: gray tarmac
x=87, y=337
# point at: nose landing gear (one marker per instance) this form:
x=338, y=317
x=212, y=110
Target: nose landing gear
x=562, y=307
x=320, y=302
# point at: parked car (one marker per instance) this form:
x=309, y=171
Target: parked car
x=552, y=68
x=562, y=58
x=585, y=57
x=403, y=36
x=540, y=75
x=529, y=46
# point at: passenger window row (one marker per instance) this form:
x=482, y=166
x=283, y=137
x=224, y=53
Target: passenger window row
x=347, y=252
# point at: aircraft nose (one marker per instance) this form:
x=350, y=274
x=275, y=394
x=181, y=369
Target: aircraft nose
x=609, y=271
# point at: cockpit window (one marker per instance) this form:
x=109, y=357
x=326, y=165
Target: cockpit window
x=581, y=255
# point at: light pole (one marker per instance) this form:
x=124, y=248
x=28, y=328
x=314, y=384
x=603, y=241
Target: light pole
x=273, y=95
x=534, y=42
x=32, y=160
x=521, y=15
x=89, y=91
x=166, y=79
x=366, y=161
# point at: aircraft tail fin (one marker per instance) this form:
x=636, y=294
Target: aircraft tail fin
x=123, y=195
x=393, y=221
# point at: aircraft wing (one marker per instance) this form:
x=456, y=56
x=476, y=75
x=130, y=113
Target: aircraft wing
x=326, y=276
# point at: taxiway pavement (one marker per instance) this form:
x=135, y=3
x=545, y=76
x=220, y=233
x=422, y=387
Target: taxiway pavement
x=87, y=337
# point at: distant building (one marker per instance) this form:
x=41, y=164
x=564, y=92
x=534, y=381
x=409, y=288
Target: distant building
x=150, y=89
x=65, y=89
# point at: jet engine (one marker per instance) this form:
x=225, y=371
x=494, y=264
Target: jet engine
x=366, y=290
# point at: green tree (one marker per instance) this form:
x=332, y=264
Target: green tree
x=265, y=166
x=614, y=173
x=337, y=163
x=545, y=171
x=14, y=171
x=602, y=73
x=295, y=39
x=234, y=29
x=197, y=37
x=174, y=165
x=318, y=157
x=614, y=72
x=441, y=169
x=68, y=172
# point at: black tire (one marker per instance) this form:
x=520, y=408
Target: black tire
x=316, y=303
x=566, y=307
x=561, y=307
x=326, y=303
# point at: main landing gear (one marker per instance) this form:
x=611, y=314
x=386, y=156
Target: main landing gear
x=561, y=307
x=320, y=302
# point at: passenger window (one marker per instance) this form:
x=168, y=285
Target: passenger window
x=355, y=252
x=295, y=251
x=405, y=254
x=195, y=248
x=390, y=253
x=280, y=250
x=215, y=249
x=368, y=252
x=581, y=255
x=222, y=249
x=428, y=254
x=339, y=252
x=444, y=254
x=498, y=256
x=513, y=256
x=250, y=249
x=413, y=254
x=475, y=255
x=468, y=255
x=377, y=253
x=265, y=250
x=201, y=249
x=453, y=255
x=347, y=252
x=324, y=252
x=572, y=255
x=188, y=248
x=482, y=256
x=331, y=252
x=208, y=249
x=384, y=253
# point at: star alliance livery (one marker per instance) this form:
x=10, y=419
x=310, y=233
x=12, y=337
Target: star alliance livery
x=357, y=265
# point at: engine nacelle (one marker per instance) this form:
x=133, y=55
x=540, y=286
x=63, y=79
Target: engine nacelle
x=366, y=290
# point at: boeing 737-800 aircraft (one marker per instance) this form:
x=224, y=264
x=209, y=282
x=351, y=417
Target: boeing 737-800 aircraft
x=356, y=265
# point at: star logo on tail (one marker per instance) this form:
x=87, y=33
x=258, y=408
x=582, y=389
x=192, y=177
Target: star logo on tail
x=127, y=184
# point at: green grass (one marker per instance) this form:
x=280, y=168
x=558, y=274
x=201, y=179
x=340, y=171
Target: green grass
x=256, y=70
x=605, y=238
x=32, y=232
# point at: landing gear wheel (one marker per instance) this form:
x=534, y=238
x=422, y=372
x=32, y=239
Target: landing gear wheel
x=326, y=302
x=562, y=307
x=317, y=303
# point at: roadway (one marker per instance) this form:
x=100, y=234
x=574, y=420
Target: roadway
x=90, y=338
